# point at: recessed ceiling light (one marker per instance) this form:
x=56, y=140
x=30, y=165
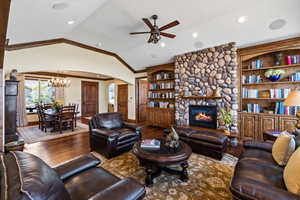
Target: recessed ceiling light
x=242, y=19
x=277, y=24
x=71, y=22
x=162, y=44
x=195, y=35
x=60, y=6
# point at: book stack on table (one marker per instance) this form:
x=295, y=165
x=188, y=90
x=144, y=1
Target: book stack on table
x=151, y=144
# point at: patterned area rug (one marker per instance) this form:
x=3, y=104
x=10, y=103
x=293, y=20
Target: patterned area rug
x=209, y=179
x=33, y=134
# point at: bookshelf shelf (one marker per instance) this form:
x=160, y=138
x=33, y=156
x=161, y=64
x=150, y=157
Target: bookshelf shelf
x=272, y=67
x=164, y=89
x=263, y=99
x=201, y=97
x=272, y=83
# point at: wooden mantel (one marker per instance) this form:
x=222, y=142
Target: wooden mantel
x=201, y=97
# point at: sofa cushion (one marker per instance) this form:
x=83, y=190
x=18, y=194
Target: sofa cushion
x=292, y=173
x=259, y=156
x=37, y=179
x=283, y=148
x=95, y=180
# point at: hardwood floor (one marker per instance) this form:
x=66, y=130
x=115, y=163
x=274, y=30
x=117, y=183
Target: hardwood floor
x=57, y=151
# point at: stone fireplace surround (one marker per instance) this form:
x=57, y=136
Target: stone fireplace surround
x=202, y=72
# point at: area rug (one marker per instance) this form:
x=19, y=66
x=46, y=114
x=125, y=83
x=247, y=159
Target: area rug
x=33, y=134
x=209, y=179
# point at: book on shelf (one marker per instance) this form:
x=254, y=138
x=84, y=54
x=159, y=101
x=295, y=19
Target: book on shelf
x=251, y=79
x=250, y=93
x=256, y=64
x=279, y=93
x=159, y=95
x=294, y=59
x=254, y=108
x=150, y=144
x=161, y=104
x=285, y=110
x=295, y=77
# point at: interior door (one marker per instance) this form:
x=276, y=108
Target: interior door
x=89, y=98
x=123, y=100
x=142, y=98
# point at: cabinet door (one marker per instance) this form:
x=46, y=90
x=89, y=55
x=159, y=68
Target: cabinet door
x=267, y=122
x=249, y=126
x=287, y=123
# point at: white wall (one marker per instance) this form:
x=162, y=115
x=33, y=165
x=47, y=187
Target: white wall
x=65, y=57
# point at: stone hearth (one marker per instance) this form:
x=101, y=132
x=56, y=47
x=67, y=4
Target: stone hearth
x=201, y=72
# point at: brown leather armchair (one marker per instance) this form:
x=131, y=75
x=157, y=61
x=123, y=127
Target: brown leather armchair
x=111, y=136
x=257, y=175
x=26, y=177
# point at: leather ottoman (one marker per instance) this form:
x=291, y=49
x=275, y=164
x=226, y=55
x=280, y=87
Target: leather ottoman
x=207, y=143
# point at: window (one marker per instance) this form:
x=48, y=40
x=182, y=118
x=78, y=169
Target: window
x=111, y=93
x=37, y=90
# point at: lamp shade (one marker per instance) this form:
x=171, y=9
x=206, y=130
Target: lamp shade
x=293, y=99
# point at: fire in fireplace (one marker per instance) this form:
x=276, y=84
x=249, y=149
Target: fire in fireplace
x=203, y=116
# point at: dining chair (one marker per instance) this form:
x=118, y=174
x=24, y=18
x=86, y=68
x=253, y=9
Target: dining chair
x=76, y=111
x=44, y=121
x=66, y=117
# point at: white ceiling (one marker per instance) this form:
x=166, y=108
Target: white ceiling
x=110, y=21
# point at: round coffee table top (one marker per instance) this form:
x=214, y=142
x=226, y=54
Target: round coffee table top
x=164, y=155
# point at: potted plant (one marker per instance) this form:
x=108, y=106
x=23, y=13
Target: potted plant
x=57, y=106
x=274, y=74
x=226, y=117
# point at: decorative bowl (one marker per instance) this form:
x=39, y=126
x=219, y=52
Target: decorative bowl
x=274, y=78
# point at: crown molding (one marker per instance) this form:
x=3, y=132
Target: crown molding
x=14, y=47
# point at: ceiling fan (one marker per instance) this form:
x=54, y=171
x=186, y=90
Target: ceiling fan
x=155, y=31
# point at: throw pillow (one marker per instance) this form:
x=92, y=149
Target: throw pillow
x=283, y=148
x=291, y=175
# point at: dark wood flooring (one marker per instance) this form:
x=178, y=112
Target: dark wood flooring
x=59, y=150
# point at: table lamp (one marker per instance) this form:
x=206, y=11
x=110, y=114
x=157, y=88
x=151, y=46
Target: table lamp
x=293, y=99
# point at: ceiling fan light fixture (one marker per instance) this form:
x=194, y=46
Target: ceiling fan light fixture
x=195, y=35
x=71, y=22
x=162, y=44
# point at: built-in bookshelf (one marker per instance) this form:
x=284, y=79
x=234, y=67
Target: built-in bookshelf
x=161, y=98
x=261, y=100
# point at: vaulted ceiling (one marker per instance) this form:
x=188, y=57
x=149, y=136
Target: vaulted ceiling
x=109, y=22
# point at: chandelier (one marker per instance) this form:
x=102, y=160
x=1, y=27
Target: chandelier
x=59, y=82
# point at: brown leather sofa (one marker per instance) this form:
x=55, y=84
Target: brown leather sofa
x=26, y=177
x=111, y=136
x=257, y=175
x=204, y=142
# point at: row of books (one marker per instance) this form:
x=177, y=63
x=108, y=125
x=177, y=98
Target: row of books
x=295, y=77
x=295, y=59
x=162, y=104
x=284, y=110
x=279, y=92
x=257, y=64
x=252, y=79
x=280, y=109
x=167, y=85
x=159, y=95
x=250, y=93
x=163, y=76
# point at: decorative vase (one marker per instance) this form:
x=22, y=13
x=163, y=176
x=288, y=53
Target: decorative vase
x=274, y=78
x=278, y=59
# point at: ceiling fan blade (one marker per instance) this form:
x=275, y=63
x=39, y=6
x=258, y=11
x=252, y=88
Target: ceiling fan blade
x=148, y=23
x=150, y=39
x=170, y=25
x=169, y=35
x=135, y=33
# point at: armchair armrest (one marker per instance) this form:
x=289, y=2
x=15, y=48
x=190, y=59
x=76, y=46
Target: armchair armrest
x=76, y=166
x=132, y=126
x=127, y=188
x=265, y=146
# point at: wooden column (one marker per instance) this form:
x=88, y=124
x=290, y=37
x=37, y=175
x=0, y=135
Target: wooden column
x=4, y=12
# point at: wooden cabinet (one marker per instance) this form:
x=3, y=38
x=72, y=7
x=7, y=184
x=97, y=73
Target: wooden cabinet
x=253, y=125
x=249, y=126
x=160, y=117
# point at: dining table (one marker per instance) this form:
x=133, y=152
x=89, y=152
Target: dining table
x=53, y=114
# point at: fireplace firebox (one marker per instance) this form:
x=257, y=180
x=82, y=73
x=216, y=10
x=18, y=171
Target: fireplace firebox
x=203, y=116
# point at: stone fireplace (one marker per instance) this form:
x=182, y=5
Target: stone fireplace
x=202, y=72
x=203, y=116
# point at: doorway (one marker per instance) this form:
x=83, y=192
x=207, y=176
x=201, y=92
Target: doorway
x=123, y=100
x=141, y=99
x=89, y=98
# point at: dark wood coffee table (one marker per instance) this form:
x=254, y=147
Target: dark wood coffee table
x=155, y=161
